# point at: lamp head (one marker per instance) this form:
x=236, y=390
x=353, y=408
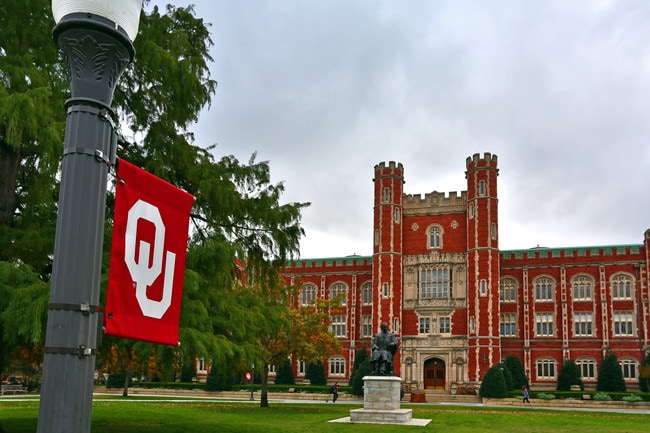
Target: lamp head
x=124, y=15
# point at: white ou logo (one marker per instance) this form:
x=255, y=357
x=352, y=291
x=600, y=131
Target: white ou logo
x=142, y=274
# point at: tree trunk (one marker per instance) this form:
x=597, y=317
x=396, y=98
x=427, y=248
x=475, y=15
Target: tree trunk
x=127, y=376
x=264, y=398
x=9, y=163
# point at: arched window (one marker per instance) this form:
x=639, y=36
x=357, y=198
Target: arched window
x=582, y=288
x=434, y=234
x=622, y=286
x=339, y=291
x=544, y=289
x=628, y=367
x=308, y=294
x=337, y=365
x=588, y=368
x=508, y=290
x=366, y=293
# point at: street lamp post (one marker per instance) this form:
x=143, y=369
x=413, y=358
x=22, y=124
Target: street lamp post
x=95, y=38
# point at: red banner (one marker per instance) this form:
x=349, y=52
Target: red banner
x=147, y=266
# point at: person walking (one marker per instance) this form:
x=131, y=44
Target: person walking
x=526, y=395
x=335, y=392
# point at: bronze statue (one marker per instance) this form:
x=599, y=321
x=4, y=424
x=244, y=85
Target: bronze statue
x=384, y=346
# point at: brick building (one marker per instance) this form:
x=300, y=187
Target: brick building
x=459, y=305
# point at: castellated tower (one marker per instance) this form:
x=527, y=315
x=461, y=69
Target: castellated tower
x=482, y=265
x=387, y=248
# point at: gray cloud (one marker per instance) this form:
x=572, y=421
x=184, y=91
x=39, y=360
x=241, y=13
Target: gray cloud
x=560, y=91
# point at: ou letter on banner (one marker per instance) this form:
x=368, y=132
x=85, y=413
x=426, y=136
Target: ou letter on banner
x=147, y=265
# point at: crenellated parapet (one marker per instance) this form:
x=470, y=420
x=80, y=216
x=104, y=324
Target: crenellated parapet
x=392, y=165
x=435, y=203
x=348, y=263
x=476, y=160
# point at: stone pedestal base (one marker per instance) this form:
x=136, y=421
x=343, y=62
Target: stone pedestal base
x=396, y=416
x=381, y=402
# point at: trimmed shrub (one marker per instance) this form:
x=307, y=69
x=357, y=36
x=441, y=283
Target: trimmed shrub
x=601, y=396
x=284, y=375
x=569, y=375
x=494, y=384
x=316, y=374
x=632, y=398
x=362, y=368
x=516, y=369
x=545, y=396
x=644, y=375
x=610, y=376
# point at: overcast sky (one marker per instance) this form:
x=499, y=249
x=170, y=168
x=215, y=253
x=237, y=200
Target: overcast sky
x=325, y=90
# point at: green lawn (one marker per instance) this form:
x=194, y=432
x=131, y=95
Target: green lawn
x=131, y=415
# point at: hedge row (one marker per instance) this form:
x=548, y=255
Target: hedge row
x=313, y=389
x=577, y=395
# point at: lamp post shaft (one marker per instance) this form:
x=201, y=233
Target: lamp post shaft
x=95, y=55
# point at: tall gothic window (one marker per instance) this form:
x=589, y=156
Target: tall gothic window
x=622, y=286
x=366, y=293
x=435, y=237
x=308, y=294
x=435, y=283
x=543, y=289
x=340, y=291
x=582, y=286
x=508, y=290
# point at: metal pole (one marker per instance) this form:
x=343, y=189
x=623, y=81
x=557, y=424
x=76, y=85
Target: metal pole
x=252, y=381
x=96, y=54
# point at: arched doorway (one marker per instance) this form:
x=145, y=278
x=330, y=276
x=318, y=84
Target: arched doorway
x=434, y=373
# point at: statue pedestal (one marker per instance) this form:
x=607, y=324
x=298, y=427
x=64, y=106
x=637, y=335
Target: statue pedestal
x=381, y=402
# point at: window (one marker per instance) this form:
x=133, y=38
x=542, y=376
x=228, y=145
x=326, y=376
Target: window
x=543, y=289
x=385, y=289
x=397, y=215
x=471, y=210
x=583, y=324
x=337, y=366
x=493, y=231
x=272, y=370
x=201, y=367
x=628, y=367
x=544, y=324
x=302, y=368
x=508, y=290
x=508, y=325
x=435, y=237
x=623, y=324
x=483, y=287
x=546, y=368
x=340, y=291
x=445, y=325
x=386, y=195
x=582, y=288
x=472, y=325
x=396, y=325
x=339, y=327
x=366, y=294
x=425, y=325
x=481, y=188
x=587, y=368
x=308, y=295
x=366, y=326
x=435, y=283
x=622, y=287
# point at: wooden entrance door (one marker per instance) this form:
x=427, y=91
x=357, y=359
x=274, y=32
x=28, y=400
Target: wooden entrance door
x=434, y=374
